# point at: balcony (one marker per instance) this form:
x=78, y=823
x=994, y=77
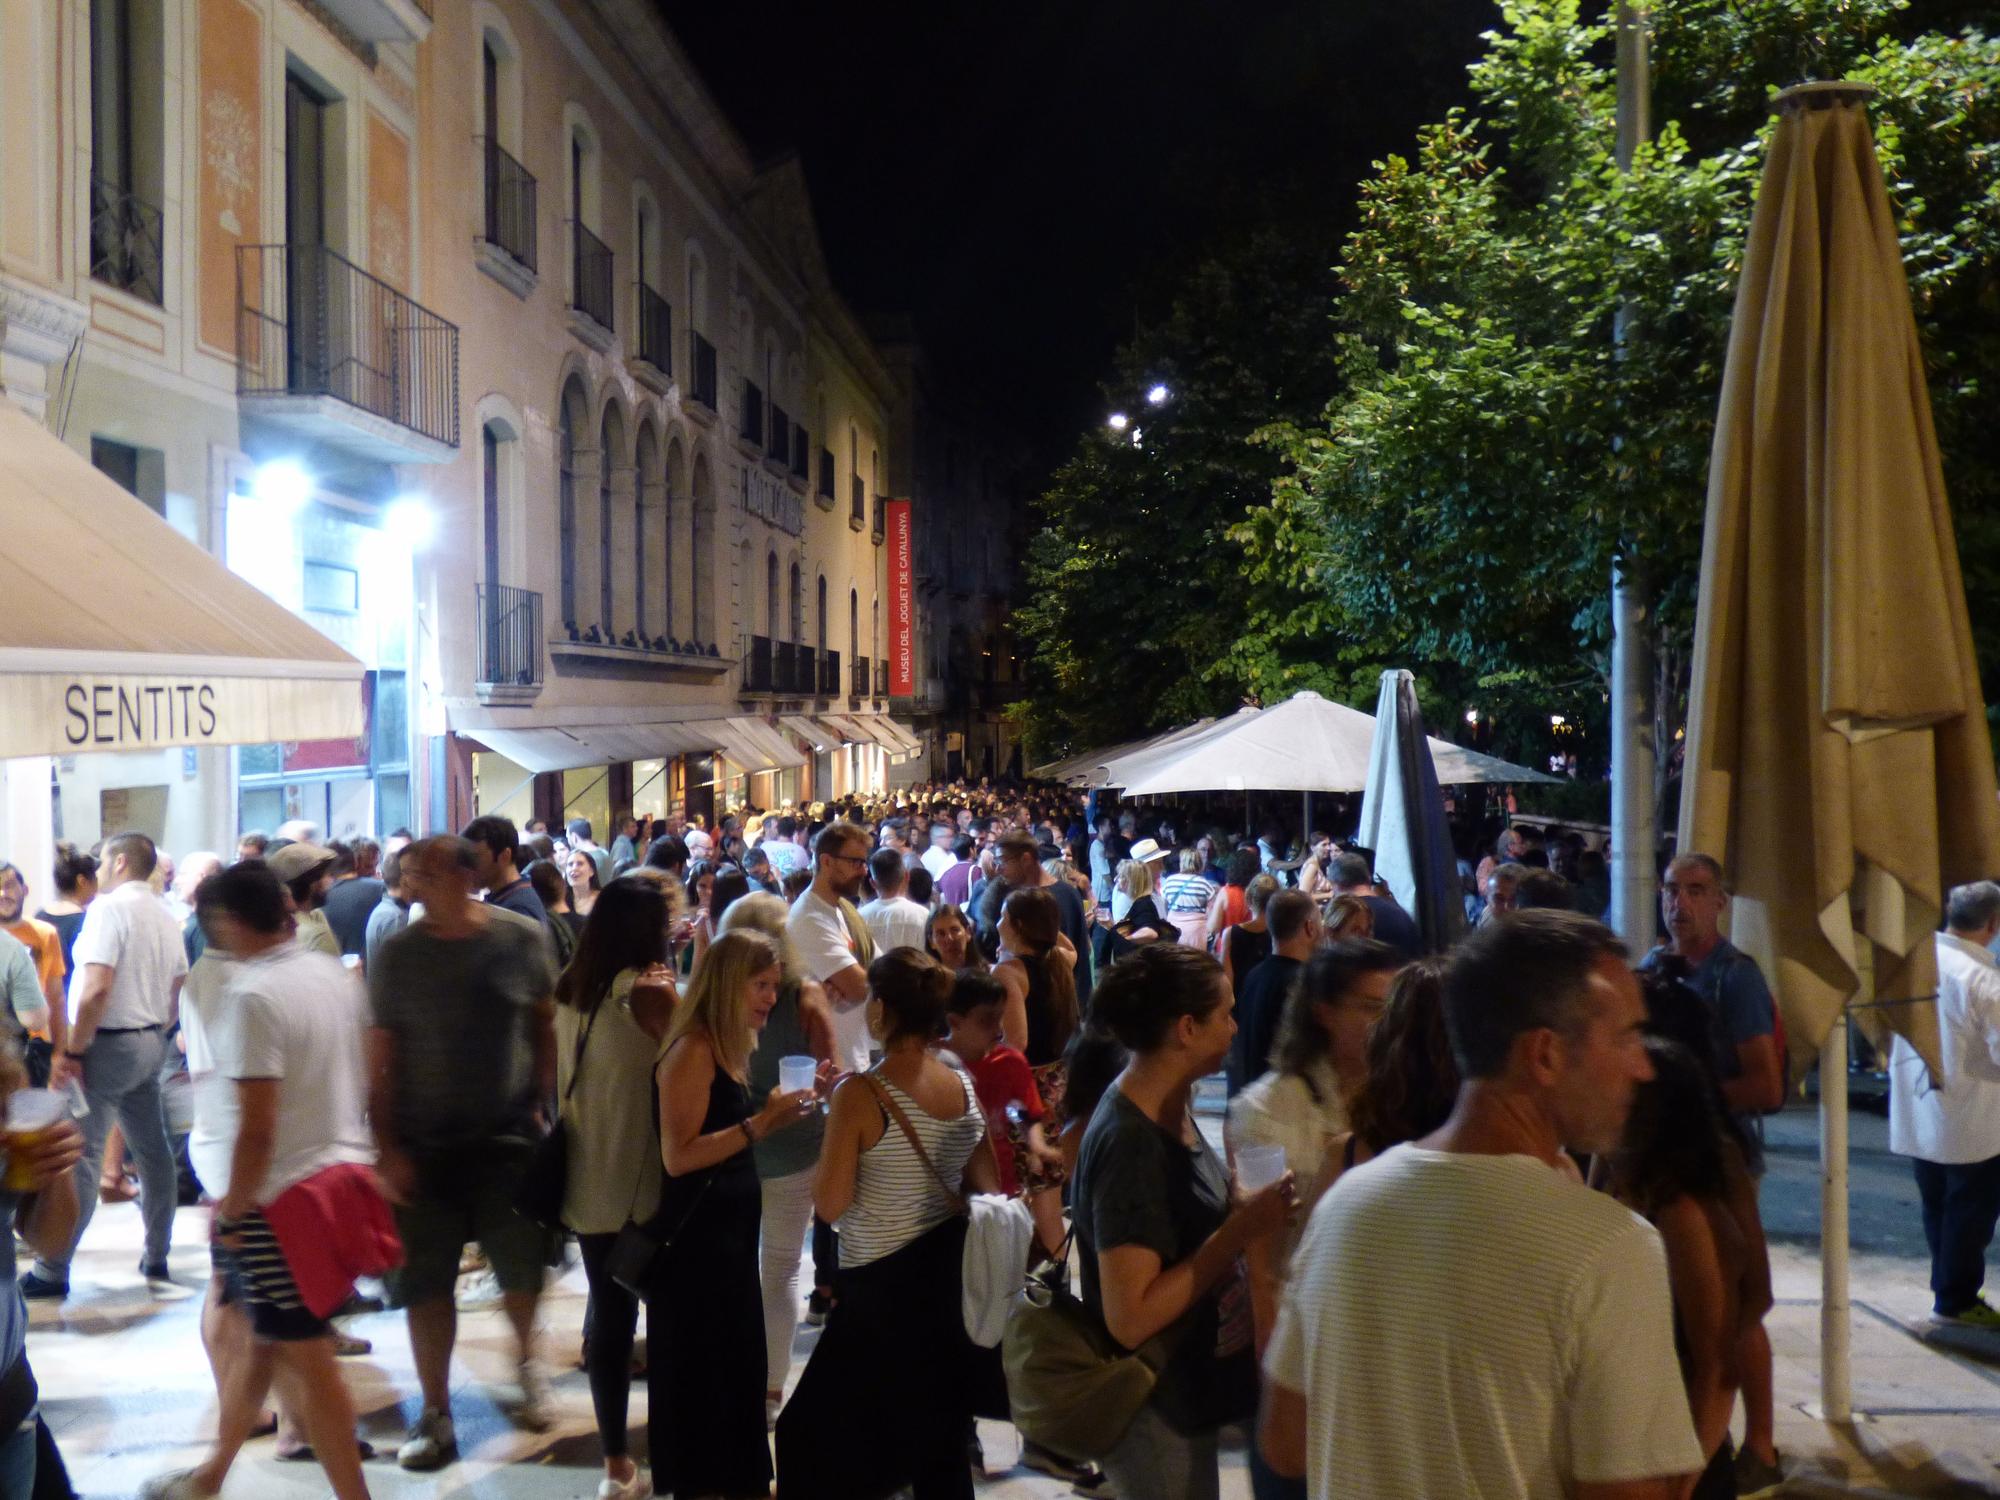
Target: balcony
x=656, y=334
x=335, y=355
x=758, y=673
x=805, y=671
x=881, y=679
x=784, y=668
x=382, y=20
x=858, y=516
x=779, y=451
x=829, y=674
x=124, y=241
x=509, y=637
x=703, y=393
x=590, y=289
x=826, y=478
x=858, y=689
x=507, y=249
x=801, y=456
x=750, y=419
x=881, y=528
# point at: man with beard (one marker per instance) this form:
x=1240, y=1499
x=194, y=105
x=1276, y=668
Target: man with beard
x=831, y=938
x=307, y=872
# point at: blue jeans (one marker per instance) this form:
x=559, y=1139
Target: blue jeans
x=17, y=1462
x=121, y=1082
x=1961, y=1205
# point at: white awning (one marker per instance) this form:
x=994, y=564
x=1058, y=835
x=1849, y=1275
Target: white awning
x=820, y=736
x=876, y=729
x=118, y=633
x=568, y=747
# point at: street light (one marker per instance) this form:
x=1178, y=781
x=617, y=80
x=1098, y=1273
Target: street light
x=282, y=483
x=1118, y=421
x=410, y=521
x=1157, y=396
x=1472, y=716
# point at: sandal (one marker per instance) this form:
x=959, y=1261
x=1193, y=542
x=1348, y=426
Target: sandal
x=303, y=1454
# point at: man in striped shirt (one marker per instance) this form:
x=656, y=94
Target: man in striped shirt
x=1464, y=1317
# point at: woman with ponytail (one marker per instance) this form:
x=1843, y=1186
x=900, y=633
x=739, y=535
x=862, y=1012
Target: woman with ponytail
x=886, y=1399
x=1038, y=1020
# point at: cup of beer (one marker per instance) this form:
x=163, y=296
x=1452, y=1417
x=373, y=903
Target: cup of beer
x=30, y=1114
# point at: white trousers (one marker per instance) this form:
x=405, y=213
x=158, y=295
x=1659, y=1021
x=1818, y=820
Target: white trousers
x=788, y=1208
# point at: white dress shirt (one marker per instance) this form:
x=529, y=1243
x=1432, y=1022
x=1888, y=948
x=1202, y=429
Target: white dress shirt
x=1954, y=1119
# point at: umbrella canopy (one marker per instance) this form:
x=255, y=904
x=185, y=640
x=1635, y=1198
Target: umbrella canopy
x=1305, y=744
x=1403, y=821
x=1837, y=754
x=1091, y=767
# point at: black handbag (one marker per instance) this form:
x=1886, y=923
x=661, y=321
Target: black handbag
x=544, y=1181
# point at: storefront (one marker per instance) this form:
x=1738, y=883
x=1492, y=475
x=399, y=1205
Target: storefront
x=126, y=651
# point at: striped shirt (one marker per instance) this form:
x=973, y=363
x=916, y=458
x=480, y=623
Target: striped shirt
x=1479, y=1326
x=897, y=1197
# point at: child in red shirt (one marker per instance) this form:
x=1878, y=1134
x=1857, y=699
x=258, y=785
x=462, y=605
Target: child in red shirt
x=1001, y=1077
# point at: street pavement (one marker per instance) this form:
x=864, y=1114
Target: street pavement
x=128, y=1393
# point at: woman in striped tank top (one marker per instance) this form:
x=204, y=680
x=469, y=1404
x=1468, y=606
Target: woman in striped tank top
x=887, y=1395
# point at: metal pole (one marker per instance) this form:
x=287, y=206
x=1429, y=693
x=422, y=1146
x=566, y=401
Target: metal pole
x=1634, y=839
x=1836, y=1393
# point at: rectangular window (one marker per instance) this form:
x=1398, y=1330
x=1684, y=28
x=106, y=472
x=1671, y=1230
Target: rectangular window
x=332, y=588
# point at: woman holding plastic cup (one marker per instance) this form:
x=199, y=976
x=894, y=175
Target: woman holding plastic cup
x=1161, y=1234
x=38, y=1199
x=1297, y=1116
x=794, y=1052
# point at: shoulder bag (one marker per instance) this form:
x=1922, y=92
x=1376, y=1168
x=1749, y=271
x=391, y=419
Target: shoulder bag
x=999, y=1233
x=545, y=1179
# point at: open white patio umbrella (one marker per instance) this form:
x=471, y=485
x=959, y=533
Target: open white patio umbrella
x=1837, y=754
x=1403, y=818
x=1305, y=744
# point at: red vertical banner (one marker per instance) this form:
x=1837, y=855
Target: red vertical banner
x=902, y=604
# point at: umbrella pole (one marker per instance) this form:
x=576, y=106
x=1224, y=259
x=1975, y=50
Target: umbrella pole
x=1836, y=1393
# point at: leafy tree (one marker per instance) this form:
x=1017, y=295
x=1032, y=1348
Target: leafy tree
x=1137, y=600
x=1501, y=436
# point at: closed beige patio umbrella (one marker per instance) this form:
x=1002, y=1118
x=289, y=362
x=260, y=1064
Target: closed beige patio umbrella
x=1837, y=754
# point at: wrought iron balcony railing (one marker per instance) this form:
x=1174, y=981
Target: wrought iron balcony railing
x=312, y=323
x=704, y=373
x=510, y=635
x=656, y=330
x=510, y=204
x=750, y=423
x=124, y=241
x=591, y=293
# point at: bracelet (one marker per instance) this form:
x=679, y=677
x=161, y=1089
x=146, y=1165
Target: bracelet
x=744, y=1125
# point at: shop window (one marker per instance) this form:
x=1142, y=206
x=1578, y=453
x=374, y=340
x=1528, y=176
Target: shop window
x=332, y=588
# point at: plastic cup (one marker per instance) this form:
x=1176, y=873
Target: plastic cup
x=1258, y=1167
x=30, y=1113
x=796, y=1074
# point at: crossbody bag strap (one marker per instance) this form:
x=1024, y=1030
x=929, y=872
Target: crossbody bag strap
x=576, y=1062
x=895, y=1112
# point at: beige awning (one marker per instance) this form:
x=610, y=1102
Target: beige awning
x=118, y=633
x=819, y=735
x=756, y=746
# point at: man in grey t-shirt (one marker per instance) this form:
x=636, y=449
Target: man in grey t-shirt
x=461, y=1051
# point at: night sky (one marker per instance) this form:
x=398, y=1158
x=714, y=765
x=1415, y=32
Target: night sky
x=1025, y=180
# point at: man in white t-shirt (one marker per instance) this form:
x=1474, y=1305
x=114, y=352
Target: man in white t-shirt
x=892, y=918
x=283, y=1025
x=1464, y=1317
x=835, y=950
x=124, y=993
x=938, y=858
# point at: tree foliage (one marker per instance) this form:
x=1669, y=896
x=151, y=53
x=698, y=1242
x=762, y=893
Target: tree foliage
x=1503, y=434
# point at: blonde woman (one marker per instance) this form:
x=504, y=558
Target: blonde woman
x=705, y=1278
x=1140, y=921
x=800, y=1025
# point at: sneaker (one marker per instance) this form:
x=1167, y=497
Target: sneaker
x=1045, y=1461
x=156, y=1273
x=39, y=1289
x=1755, y=1478
x=817, y=1307
x=478, y=1292
x=537, y=1410
x=1978, y=1315
x=347, y=1346
x=638, y=1487
x=178, y=1485
x=1096, y=1487
x=432, y=1443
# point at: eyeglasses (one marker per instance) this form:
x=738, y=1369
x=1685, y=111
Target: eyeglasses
x=853, y=859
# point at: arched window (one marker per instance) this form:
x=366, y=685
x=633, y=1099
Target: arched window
x=701, y=528
x=854, y=623
x=819, y=618
x=572, y=413
x=771, y=596
x=646, y=517
x=675, y=502
x=798, y=607
x=611, y=453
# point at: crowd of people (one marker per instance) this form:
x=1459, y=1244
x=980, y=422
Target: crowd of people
x=391, y=1052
